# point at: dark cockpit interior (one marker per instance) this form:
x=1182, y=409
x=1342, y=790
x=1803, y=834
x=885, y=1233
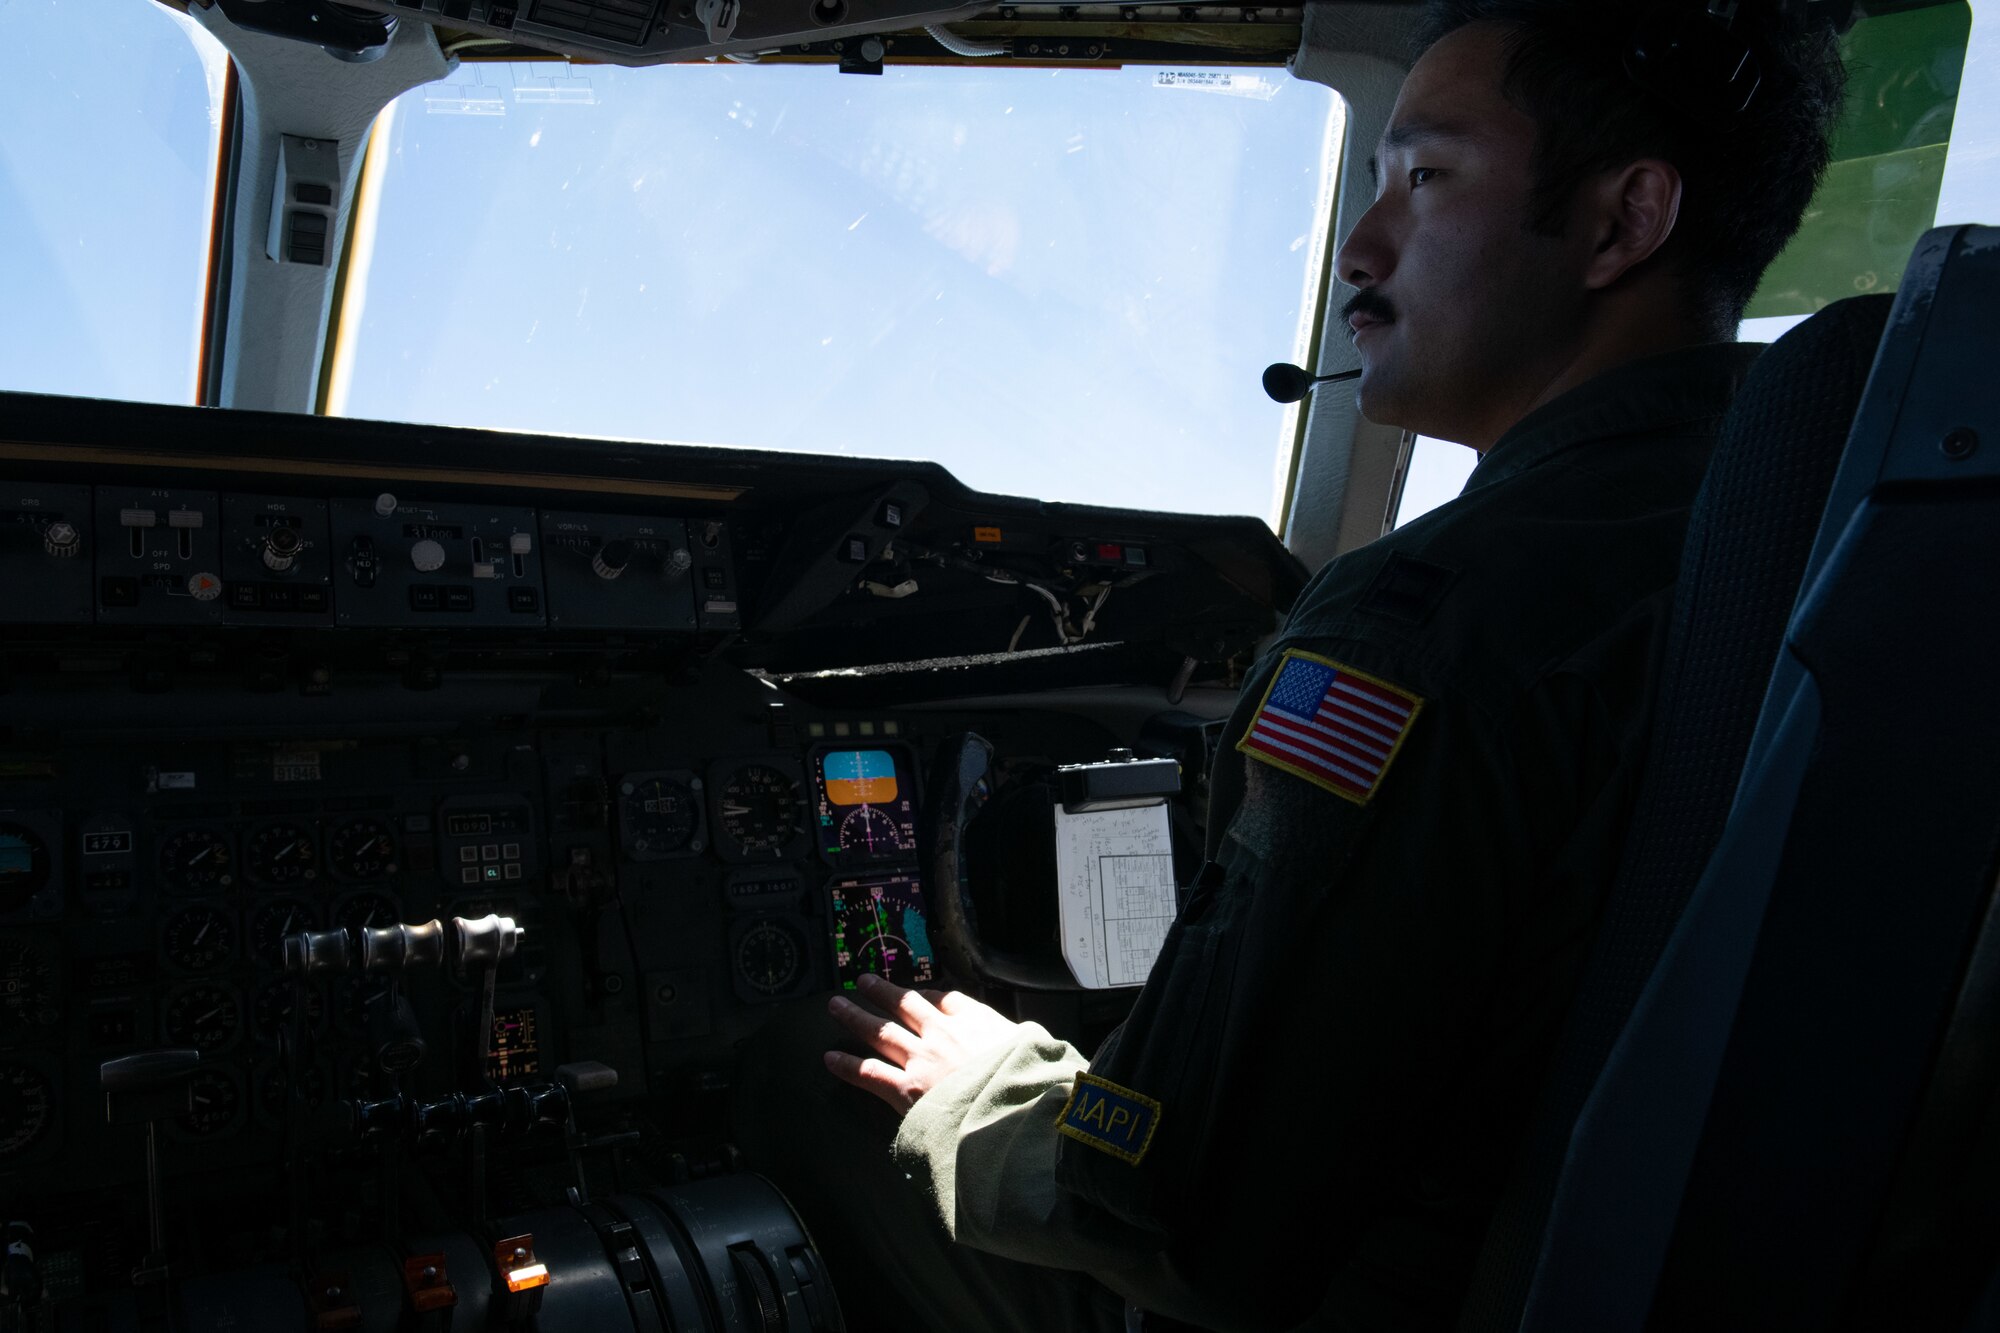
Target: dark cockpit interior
x=407, y=832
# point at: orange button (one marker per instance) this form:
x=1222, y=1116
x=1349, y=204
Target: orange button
x=527, y=1279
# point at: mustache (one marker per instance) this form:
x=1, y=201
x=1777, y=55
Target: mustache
x=1368, y=302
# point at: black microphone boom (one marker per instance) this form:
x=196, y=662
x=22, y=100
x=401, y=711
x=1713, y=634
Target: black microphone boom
x=1287, y=383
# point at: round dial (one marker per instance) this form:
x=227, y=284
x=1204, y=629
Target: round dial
x=277, y=1001
x=761, y=810
x=199, y=939
x=364, y=910
x=24, y=866
x=362, y=849
x=770, y=957
x=656, y=817
x=276, y=1087
x=361, y=998
x=281, y=854
x=196, y=860
x=206, y=1017
x=869, y=832
x=269, y=925
x=213, y=1103
x=29, y=995
x=27, y=1108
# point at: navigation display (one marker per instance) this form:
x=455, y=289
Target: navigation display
x=867, y=810
x=879, y=927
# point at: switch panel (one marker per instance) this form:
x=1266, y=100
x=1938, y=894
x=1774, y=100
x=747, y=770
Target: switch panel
x=714, y=573
x=45, y=543
x=277, y=562
x=440, y=566
x=614, y=571
x=159, y=557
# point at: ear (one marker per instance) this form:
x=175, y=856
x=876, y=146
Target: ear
x=1630, y=215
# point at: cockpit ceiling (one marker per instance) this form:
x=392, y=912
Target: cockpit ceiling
x=858, y=35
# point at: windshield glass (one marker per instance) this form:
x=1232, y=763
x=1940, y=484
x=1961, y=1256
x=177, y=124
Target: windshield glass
x=107, y=182
x=1058, y=283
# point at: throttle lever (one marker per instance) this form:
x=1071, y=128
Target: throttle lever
x=470, y=944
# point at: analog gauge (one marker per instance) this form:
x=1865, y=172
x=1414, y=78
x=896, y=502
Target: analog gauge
x=281, y=854
x=277, y=1087
x=27, y=1108
x=364, y=910
x=277, y=1001
x=206, y=1017
x=361, y=999
x=198, y=939
x=770, y=957
x=656, y=818
x=24, y=866
x=362, y=850
x=269, y=925
x=196, y=860
x=761, y=810
x=29, y=995
x=213, y=1103
x=867, y=831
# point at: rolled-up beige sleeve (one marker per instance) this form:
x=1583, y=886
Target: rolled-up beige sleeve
x=983, y=1144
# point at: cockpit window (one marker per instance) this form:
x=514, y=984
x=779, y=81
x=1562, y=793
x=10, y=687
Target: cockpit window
x=1058, y=283
x=107, y=183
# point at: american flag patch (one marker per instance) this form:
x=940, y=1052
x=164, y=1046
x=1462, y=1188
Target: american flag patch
x=1330, y=724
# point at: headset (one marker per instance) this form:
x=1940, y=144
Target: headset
x=1694, y=57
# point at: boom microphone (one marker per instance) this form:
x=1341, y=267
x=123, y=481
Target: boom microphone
x=1287, y=383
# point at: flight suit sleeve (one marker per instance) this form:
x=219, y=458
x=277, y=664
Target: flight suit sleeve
x=1319, y=1012
x=977, y=1142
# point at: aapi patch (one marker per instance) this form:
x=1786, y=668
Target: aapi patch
x=1110, y=1118
x=1336, y=727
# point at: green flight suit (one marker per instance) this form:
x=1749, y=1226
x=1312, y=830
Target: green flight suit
x=1346, y=1028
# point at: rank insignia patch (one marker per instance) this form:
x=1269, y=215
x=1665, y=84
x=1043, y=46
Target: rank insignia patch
x=1114, y=1119
x=1331, y=725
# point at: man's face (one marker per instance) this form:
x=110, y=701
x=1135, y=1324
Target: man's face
x=1461, y=306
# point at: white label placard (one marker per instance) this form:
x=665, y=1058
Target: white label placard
x=1115, y=873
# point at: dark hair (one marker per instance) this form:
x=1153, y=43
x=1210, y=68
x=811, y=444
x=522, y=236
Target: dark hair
x=1743, y=190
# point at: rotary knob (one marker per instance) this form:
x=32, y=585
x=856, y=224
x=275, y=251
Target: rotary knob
x=611, y=559
x=61, y=540
x=678, y=562
x=427, y=556
x=280, y=549
x=204, y=587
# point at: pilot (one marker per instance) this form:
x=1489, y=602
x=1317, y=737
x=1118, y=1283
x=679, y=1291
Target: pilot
x=1420, y=799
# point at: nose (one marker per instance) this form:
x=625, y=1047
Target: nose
x=1366, y=257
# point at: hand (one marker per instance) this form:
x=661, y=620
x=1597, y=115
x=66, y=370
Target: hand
x=930, y=1035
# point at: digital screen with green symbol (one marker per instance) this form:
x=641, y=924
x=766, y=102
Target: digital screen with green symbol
x=867, y=809
x=879, y=927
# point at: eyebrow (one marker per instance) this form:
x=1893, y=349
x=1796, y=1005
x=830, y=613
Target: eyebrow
x=1412, y=132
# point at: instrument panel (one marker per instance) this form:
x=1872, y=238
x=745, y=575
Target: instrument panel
x=677, y=879
x=270, y=713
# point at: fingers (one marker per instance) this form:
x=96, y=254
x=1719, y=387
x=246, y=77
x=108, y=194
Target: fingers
x=880, y=1080
x=952, y=1001
x=910, y=1006
x=891, y=1040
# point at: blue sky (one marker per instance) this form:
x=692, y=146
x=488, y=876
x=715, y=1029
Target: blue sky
x=1057, y=284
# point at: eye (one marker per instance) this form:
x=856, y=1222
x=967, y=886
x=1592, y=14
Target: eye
x=1419, y=175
